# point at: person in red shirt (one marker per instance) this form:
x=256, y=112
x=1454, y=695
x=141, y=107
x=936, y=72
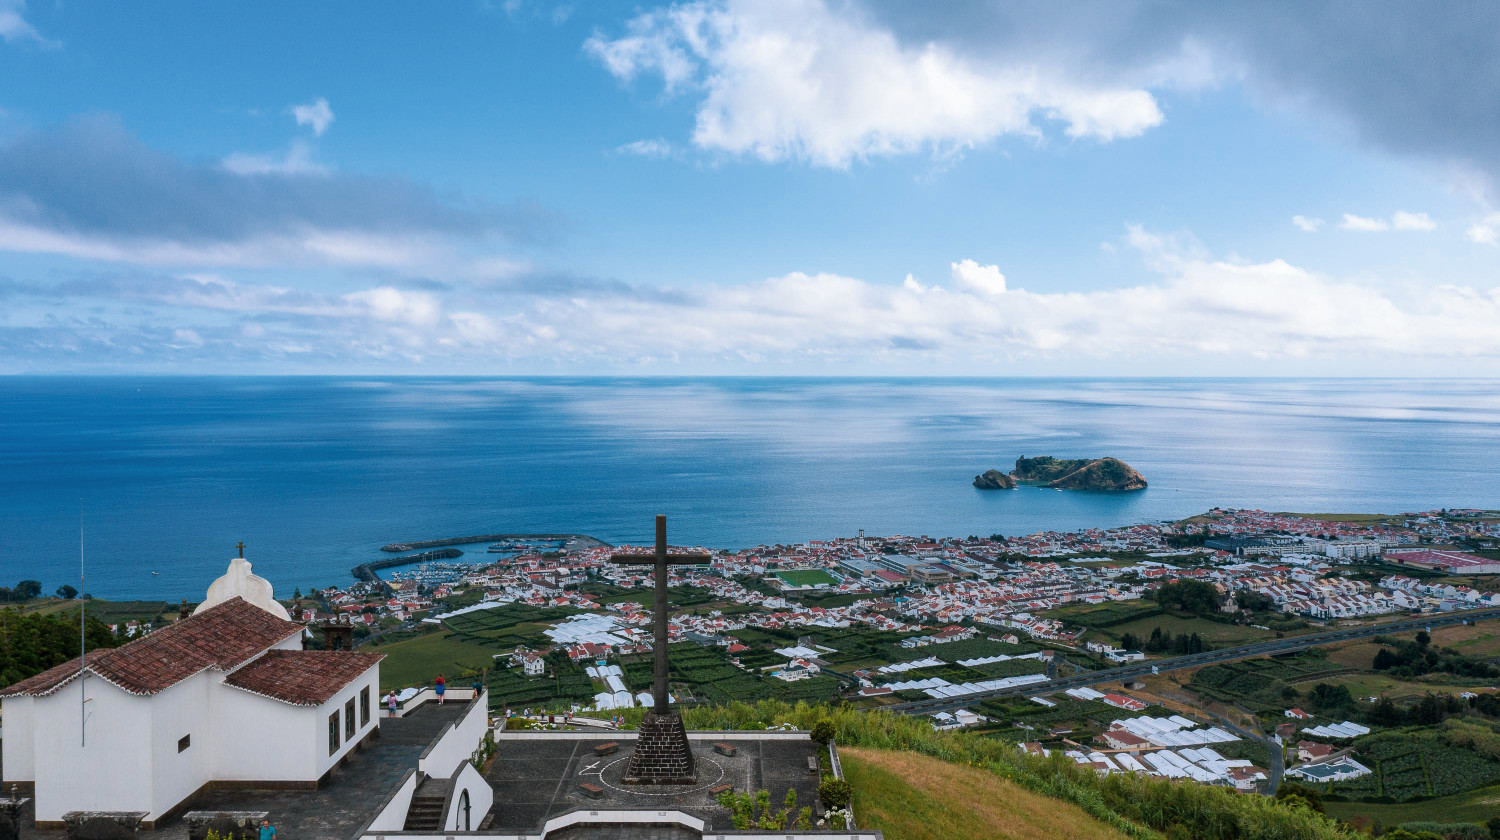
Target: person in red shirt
x=441, y=685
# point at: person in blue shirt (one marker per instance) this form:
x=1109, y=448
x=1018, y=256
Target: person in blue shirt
x=267, y=831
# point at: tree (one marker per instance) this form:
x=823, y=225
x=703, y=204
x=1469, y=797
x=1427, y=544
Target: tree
x=1493, y=824
x=28, y=589
x=1194, y=596
x=1384, y=659
x=1423, y=638
x=1310, y=797
x=67, y=592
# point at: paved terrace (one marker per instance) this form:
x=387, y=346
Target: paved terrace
x=537, y=777
x=338, y=809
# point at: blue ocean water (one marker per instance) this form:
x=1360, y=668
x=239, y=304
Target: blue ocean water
x=315, y=474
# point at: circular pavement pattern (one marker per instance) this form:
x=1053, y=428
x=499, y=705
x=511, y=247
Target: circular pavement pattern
x=614, y=771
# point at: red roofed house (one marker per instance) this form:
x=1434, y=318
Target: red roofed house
x=1312, y=750
x=226, y=695
x=1120, y=701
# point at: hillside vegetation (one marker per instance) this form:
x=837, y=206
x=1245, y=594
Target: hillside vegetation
x=910, y=796
x=1135, y=806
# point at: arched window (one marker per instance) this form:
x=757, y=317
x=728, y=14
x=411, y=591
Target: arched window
x=463, y=807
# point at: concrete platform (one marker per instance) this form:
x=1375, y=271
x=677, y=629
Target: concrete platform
x=536, y=778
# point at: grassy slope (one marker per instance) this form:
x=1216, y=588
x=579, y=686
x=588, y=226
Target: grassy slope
x=417, y=661
x=913, y=797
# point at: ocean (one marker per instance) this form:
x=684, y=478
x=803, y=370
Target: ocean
x=315, y=474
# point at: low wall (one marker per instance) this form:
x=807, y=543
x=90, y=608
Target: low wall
x=631, y=734
x=392, y=814
x=457, y=743
x=481, y=798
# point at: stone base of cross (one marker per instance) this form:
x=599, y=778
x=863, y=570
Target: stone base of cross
x=662, y=754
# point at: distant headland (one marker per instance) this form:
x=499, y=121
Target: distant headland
x=1064, y=474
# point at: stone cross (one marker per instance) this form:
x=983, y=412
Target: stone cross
x=241, y=546
x=660, y=559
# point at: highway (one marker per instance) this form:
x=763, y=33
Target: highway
x=1138, y=669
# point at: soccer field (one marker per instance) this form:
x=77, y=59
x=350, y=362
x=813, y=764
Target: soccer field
x=807, y=577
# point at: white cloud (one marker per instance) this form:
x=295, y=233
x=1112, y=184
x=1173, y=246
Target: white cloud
x=980, y=278
x=1363, y=223
x=14, y=27
x=418, y=309
x=297, y=161
x=1412, y=221
x=657, y=148
x=1400, y=220
x=1310, y=225
x=1486, y=231
x=795, y=79
x=316, y=114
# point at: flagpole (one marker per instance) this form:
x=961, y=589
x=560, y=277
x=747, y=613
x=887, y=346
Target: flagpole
x=83, y=708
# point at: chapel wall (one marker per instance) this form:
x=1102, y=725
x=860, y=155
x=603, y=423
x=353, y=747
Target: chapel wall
x=112, y=772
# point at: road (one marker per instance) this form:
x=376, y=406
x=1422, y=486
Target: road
x=1278, y=765
x=1140, y=669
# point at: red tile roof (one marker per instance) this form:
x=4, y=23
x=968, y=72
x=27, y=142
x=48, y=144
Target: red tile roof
x=303, y=677
x=222, y=637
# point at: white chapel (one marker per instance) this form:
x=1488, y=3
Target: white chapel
x=225, y=697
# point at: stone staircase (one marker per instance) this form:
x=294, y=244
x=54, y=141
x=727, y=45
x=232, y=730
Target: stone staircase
x=426, y=810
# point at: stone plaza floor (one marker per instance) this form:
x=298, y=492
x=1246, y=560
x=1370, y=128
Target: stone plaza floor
x=536, y=778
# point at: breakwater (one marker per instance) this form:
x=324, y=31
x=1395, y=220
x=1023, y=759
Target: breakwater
x=581, y=540
x=366, y=571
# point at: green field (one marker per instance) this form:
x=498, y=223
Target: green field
x=1471, y=806
x=1217, y=634
x=415, y=662
x=808, y=577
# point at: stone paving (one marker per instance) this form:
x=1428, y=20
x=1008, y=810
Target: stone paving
x=536, y=779
x=338, y=809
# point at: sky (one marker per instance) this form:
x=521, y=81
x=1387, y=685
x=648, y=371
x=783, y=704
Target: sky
x=777, y=187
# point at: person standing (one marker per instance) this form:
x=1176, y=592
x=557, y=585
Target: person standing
x=390, y=703
x=267, y=831
x=441, y=685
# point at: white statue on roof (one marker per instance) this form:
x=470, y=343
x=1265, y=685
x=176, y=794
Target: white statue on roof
x=240, y=582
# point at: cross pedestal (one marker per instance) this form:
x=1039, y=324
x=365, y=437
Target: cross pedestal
x=662, y=754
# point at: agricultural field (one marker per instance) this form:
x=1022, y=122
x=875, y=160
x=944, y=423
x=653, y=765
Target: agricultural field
x=705, y=674
x=1108, y=615
x=564, y=684
x=1216, y=633
x=1481, y=639
x=1259, y=683
x=109, y=612
x=1475, y=805
x=807, y=577
x=1414, y=764
x=506, y=627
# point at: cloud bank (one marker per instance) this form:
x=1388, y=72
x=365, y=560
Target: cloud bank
x=1199, y=309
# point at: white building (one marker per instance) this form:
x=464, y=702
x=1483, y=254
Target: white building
x=226, y=695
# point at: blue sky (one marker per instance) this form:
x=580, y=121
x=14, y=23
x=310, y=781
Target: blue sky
x=777, y=187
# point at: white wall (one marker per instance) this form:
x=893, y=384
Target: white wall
x=183, y=709
x=112, y=772
x=393, y=816
x=481, y=797
x=369, y=680
x=458, y=744
x=18, y=744
x=260, y=739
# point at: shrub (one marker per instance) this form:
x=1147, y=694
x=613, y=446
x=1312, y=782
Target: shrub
x=835, y=793
x=822, y=731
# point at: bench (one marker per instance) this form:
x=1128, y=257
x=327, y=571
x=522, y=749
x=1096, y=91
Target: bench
x=591, y=791
x=607, y=749
x=719, y=790
x=725, y=749
x=812, y=764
